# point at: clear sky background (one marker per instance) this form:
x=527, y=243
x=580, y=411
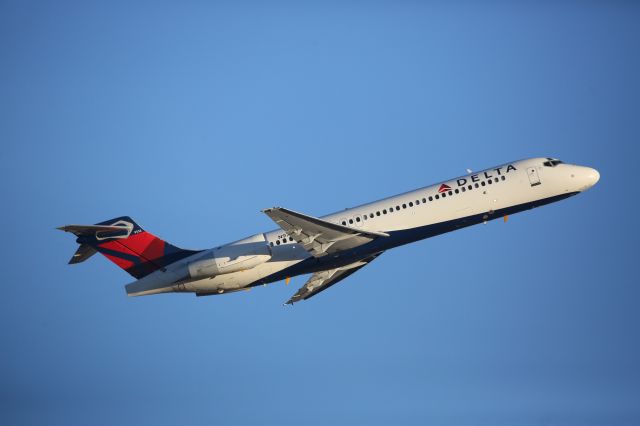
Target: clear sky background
x=192, y=116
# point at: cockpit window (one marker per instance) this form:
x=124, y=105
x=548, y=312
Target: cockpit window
x=551, y=162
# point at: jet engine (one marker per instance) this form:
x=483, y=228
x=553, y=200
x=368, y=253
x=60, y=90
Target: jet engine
x=234, y=257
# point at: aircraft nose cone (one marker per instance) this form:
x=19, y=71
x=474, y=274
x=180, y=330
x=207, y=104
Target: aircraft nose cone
x=593, y=176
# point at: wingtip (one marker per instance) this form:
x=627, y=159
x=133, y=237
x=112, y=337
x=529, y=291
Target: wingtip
x=270, y=209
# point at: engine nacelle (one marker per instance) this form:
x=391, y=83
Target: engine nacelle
x=234, y=257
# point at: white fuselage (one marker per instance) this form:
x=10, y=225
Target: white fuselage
x=431, y=210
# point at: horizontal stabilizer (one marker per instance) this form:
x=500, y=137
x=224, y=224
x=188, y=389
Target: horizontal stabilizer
x=84, y=252
x=90, y=230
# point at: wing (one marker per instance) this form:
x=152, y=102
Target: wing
x=318, y=236
x=322, y=280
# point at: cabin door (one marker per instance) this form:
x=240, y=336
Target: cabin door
x=534, y=179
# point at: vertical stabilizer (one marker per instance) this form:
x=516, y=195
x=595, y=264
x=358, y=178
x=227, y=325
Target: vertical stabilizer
x=125, y=243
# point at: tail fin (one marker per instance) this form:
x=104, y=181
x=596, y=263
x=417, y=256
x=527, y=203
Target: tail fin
x=126, y=244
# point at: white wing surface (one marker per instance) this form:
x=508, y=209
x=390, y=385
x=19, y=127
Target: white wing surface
x=318, y=236
x=322, y=280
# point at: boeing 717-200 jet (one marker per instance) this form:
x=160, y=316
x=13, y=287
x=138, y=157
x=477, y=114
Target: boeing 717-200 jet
x=331, y=247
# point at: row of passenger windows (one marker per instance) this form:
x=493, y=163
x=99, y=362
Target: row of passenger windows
x=424, y=200
x=360, y=219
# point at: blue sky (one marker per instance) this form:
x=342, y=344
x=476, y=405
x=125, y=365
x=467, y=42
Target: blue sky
x=193, y=116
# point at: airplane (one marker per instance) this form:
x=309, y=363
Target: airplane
x=334, y=246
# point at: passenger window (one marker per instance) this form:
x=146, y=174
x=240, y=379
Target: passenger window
x=278, y=242
x=344, y=223
x=470, y=187
x=444, y=195
x=358, y=219
x=502, y=177
x=377, y=213
x=496, y=180
x=350, y=221
x=384, y=211
x=411, y=203
x=457, y=191
x=476, y=185
x=404, y=206
x=464, y=189
x=430, y=198
x=424, y=200
x=490, y=181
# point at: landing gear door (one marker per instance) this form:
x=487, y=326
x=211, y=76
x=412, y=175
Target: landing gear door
x=534, y=179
